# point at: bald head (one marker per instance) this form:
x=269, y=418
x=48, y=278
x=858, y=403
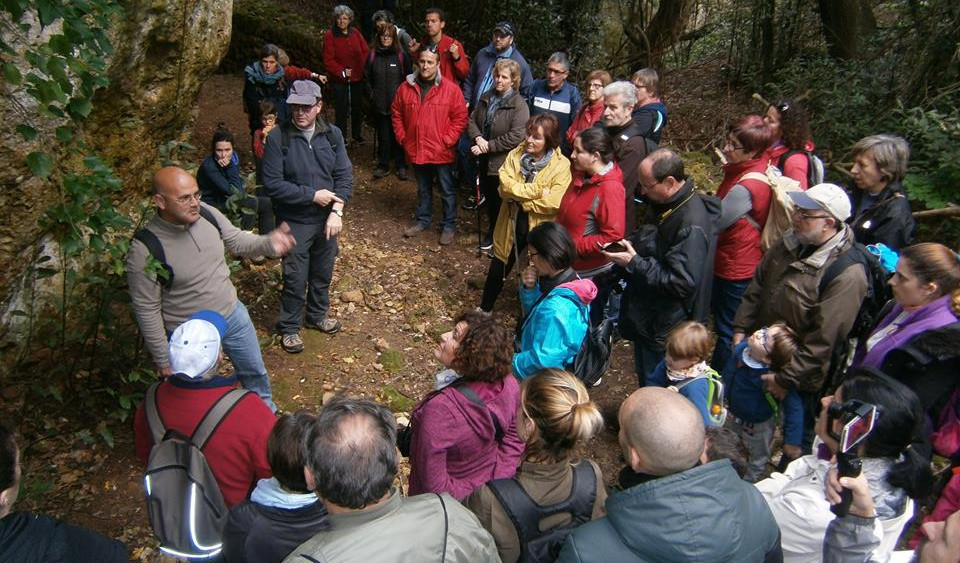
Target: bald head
x=661, y=432
x=176, y=195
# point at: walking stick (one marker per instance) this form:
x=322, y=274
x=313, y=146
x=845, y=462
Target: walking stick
x=514, y=210
x=350, y=107
x=477, y=207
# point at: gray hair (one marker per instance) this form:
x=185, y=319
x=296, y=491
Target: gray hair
x=561, y=58
x=622, y=88
x=341, y=10
x=890, y=152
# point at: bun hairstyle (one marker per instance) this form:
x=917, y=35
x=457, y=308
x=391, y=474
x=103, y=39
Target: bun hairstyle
x=222, y=134
x=562, y=413
x=899, y=432
x=933, y=262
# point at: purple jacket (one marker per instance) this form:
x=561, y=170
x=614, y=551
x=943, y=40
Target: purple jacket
x=453, y=448
x=932, y=315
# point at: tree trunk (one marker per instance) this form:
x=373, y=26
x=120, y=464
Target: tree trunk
x=665, y=28
x=845, y=24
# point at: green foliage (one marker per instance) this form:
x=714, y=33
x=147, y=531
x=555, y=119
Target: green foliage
x=935, y=158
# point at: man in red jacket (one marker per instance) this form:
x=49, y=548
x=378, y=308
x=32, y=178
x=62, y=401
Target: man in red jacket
x=429, y=115
x=454, y=64
x=237, y=450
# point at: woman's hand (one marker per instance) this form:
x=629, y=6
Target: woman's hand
x=482, y=144
x=862, y=504
x=224, y=162
x=529, y=277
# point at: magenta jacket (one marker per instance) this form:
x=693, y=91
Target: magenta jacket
x=453, y=449
x=932, y=315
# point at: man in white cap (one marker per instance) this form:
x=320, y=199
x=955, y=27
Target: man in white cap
x=786, y=287
x=309, y=178
x=237, y=450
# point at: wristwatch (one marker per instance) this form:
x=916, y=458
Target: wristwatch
x=337, y=212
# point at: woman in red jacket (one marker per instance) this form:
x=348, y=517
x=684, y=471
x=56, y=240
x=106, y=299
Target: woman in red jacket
x=592, y=108
x=791, y=148
x=743, y=213
x=344, y=55
x=593, y=211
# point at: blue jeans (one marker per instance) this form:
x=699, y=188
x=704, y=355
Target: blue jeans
x=242, y=347
x=307, y=272
x=467, y=162
x=425, y=174
x=725, y=299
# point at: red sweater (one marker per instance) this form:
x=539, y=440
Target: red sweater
x=455, y=70
x=237, y=451
x=738, y=247
x=341, y=51
x=796, y=167
x=586, y=117
x=592, y=211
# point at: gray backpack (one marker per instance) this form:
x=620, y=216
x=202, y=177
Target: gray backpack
x=184, y=502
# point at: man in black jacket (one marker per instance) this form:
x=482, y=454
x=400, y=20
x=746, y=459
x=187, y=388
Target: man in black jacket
x=668, y=263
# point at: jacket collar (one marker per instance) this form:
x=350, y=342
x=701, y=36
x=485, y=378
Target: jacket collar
x=821, y=254
x=359, y=518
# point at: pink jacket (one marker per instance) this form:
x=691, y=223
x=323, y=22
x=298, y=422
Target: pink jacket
x=453, y=449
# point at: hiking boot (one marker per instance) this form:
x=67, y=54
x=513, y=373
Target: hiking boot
x=329, y=326
x=487, y=244
x=446, y=237
x=291, y=343
x=472, y=203
x=401, y=173
x=414, y=230
x=380, y=172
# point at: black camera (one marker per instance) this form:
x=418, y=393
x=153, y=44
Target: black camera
x=856, y=420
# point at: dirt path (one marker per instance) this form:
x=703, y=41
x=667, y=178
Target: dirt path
x=391, y=294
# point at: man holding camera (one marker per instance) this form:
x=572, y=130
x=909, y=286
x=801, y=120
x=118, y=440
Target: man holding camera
x=309, y=178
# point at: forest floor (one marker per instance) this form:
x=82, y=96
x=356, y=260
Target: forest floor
x=394, y=296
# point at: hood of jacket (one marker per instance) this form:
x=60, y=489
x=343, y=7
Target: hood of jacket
x=584, y=290
x=703, y=514
x=412, y=79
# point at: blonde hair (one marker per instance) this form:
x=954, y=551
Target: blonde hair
x=690, y=339
x=563, y=415
x=513, y=67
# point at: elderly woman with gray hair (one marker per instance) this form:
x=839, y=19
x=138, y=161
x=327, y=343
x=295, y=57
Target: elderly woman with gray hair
x=344, y=56
x=881, y=212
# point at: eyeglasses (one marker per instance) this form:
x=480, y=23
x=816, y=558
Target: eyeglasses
x=732, y=146
x=807, y=215
x=531, y=254
x=185, y=199
x=556, y=71
x=595, y=86
x=299, y=108
x=762, y=335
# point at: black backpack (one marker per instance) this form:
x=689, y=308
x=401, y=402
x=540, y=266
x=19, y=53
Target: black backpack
x=929, y=364
x=155, y=248
x=543, y=546
x=871, y=308
x=816, y=171
x=184, y=501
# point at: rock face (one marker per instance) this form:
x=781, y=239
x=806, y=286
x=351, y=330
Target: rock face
x=163, y=51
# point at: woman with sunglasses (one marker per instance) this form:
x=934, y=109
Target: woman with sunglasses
x=792, y=145
x=745, y=203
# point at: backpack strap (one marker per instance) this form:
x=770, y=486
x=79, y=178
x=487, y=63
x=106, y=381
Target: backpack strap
x=526, y=514
x=446, y=527
x=461, y=386
x=681, y=384
x=208, y=215
x=786, y=156
x=846, y=259
x=154, y=421
x=215, y=415
x=155, y=247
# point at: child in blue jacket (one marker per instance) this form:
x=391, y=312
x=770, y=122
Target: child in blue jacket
x=754, y=411
x=684, y=369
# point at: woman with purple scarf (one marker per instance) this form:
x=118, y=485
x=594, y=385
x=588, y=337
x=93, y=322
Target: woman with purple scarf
x=926, y=288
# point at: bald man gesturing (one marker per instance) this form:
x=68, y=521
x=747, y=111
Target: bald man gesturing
x=676, y=509
x=191, y=237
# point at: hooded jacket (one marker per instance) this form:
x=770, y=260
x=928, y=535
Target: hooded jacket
x=429, y=127
x=540, y=199
x=554, y=328
x=586, y=118
x=670, y=278
x=938, y=313
x=888, y=221
x=701, y=515
x=592, y=212
x=342, y=51
x=651, y=119
x=453, y=448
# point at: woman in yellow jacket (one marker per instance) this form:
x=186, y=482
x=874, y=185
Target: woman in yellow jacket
x=533, y=180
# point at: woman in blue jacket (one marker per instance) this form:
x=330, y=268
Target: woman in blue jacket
x=555, y=303
x=219, y=178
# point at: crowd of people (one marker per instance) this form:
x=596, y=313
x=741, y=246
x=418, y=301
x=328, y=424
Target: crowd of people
x=738, y=327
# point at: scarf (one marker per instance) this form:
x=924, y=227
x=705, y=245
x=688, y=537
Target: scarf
x=487, y=81
x=493, y=104
x=695, y=370
x=269, y=493
x=751, y=361
x=254, y=73
x=529, y=168
x=444, y=378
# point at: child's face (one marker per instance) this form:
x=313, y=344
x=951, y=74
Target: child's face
x=759, y=343
x=268, y=119
x=680, y=365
